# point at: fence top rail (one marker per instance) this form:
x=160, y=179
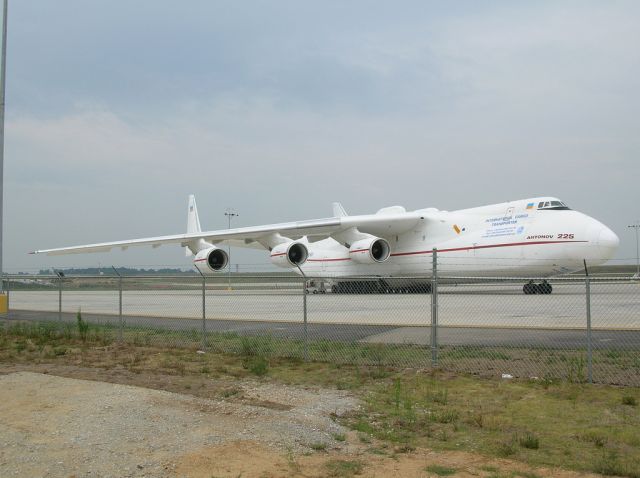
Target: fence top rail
x=296, y=278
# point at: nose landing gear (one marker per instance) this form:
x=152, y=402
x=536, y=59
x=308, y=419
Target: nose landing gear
x=543, y=288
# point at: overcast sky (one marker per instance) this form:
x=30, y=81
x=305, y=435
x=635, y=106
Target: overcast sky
x=117, y=110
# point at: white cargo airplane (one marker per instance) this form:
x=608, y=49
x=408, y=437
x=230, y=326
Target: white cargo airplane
x=530, y=237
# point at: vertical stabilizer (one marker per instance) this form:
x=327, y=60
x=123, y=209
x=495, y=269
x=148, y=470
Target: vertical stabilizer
x=338, y=210
x=193, y=222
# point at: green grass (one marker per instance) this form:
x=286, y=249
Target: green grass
x=540, y=423
x=440, y=470
x=618, y=367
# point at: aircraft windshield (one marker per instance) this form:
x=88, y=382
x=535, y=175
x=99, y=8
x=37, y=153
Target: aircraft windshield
x=553, y=205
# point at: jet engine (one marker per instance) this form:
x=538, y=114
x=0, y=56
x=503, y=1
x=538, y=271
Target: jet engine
x=370, y=251
x=211, y=260
x=290, y=254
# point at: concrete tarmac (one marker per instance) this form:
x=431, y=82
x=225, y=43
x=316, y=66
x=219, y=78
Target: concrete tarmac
x=468, y=315
x=613, y=306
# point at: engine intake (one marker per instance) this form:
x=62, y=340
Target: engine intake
x=370, y=251
x=290, y=254
x=211, y=260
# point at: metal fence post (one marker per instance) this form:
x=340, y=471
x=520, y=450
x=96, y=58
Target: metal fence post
x=203, y=342
x=304, y=306
x=434, y=309
x=589, y=342
x=304, y=312
x=59, y=298
x=7, y=291
x=120, y=321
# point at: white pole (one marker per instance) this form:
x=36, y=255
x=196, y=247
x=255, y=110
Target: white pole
x=230, y=214
x=3, y=72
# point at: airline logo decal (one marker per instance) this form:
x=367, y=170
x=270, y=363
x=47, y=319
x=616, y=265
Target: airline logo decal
x=505, y=226
x=530, y=205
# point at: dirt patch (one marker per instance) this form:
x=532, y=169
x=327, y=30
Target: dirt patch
x=253, y=460
x=54, y=426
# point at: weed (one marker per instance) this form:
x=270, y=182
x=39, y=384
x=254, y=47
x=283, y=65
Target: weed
x=629, y=400
x=204, y=369
x=526, y=474
x=406, y=448
x=575, y=370
x=444, y=416
x=291, y=460
x=490, y=468
x=344, y=468
x=257, y=365
x=397, y=390
x=530, y=441
x=477, y=419
x=598, y=439
x=610, y=465
x=83, y=327
x=318, y=446
x=339, y=436
x=440, y=396
x=255, y=346
x=364, y=438
x=506, y=448
x=441, y=470
x=230, y=392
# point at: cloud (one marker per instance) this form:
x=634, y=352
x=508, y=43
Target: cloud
x=280, y=110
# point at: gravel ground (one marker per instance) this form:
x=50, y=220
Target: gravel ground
x=61, y=427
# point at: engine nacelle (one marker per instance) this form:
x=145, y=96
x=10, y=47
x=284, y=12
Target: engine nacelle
x=290, y=254
x=211, y=260
x=370, y=251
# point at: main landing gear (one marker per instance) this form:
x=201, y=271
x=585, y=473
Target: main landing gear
x=543, y=288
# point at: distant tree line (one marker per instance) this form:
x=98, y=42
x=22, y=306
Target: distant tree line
x=124, y=271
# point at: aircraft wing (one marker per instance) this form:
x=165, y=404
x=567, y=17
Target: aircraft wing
x=381, y=225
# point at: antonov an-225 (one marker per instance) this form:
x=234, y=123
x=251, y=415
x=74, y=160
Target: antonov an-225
x=530, y=237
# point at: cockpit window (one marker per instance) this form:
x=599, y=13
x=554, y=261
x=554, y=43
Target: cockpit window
x=553, y=205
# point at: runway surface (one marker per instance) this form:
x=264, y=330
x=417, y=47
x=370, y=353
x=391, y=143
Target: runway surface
x=468, y=315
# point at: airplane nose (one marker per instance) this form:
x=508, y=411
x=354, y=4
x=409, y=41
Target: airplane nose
x=608, y=243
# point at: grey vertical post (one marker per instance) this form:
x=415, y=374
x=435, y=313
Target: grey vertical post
x=304, y=314
x=434, y=309
x=6, y=316
x=589, y=343
x=304, y=307
x=203, y=342
x=204, y=313
x=120, y=320
x=59, y=298
x=3, y=82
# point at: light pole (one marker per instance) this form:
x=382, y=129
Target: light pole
x=230, y=213
x=636, y=226
x=3, y=73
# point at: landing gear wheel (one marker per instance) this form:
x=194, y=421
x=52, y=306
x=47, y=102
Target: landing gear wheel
x=545, y=287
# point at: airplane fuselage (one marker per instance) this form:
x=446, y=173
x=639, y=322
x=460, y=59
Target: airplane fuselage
x=518, y=238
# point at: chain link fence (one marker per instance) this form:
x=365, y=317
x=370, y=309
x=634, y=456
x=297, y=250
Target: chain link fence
x=571, y=328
